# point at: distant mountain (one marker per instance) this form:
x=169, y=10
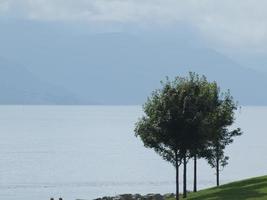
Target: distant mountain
x=114, y=68
x=18, y=86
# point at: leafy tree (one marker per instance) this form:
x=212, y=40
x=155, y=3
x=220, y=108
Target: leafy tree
x=162, y=126
x=173, y=116
x=220, y=135
x=207, y=103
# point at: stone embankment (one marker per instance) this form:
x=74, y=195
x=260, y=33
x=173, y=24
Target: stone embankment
x=139, y=197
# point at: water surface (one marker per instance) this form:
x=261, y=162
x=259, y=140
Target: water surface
x=90, y=151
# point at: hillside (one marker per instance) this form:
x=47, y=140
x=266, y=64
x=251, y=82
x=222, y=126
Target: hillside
x=250, y=189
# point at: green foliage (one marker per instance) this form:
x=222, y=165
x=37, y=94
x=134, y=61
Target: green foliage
x=219, y=133
x=174, y=114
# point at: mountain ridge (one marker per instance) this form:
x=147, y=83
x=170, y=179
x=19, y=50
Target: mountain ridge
x=121, y=68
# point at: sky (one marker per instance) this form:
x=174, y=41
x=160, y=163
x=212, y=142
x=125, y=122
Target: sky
x=238, y=24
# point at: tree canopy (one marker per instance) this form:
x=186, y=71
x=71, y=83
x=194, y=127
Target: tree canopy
x=188, y=117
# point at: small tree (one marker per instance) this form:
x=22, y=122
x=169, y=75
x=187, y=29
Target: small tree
x=162, y=126
x=200, y=138
x=220, y=136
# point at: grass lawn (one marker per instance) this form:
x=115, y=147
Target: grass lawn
x=251, y=189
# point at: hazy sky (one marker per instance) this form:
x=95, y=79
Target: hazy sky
x=238, y=23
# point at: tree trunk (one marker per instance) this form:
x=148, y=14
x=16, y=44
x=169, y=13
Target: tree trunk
x=217, y=172
x=195, y=173
x=185, y=189
x=177, y=176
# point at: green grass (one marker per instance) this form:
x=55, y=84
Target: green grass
x=250, y=189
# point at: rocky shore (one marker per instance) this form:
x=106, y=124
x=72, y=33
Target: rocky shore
x=139, y=197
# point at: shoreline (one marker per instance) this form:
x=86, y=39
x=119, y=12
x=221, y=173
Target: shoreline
x=151, y=196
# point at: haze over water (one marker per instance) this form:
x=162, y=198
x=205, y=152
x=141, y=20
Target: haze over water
x=91, y=151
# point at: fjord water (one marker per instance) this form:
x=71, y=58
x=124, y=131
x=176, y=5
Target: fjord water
x=84, y=152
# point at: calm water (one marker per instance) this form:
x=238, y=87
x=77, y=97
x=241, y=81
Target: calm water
x=90, y=151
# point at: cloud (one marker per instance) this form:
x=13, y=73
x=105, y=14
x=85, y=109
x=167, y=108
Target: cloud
x=239, y=23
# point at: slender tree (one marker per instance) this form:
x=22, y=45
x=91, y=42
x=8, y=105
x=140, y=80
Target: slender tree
x=161, y=128
x=220, y=135
x=207, y=102
x=213, y=136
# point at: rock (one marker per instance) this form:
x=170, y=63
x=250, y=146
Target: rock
x=116, y=198
x=153, y=197
x=137, y=197
x=158, y=197
x=126, y=197
x=169, y=195
x=107, y=198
